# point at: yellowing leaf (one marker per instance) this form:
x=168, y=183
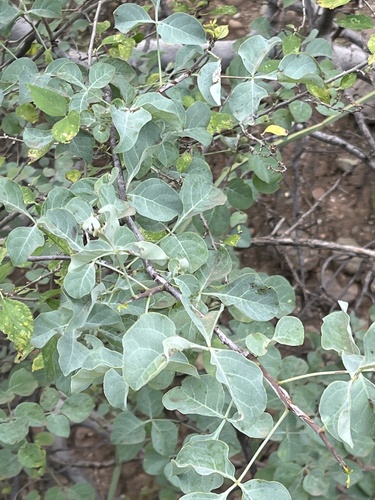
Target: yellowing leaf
x=322, y=94
x=331, y=4
x=35, y=154
x=183, y=162
x=16, y=321
x=371, y=44
x=27, y=112
x=73, y=175
x=64, y=130
x=38, y=363
x=275, y=130
x=232, y=241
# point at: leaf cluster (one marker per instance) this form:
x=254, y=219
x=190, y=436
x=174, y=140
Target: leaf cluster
x=136, y=302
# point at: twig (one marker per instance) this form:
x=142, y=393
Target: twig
x=315, y=205
x=298, y=96
x=116, y=162
x=8, y=218
x=41, y=258
x=205, y=224
x=367, y=135
x=93, y=34
x=188, y=72
x=312, y=243
x=337, y=141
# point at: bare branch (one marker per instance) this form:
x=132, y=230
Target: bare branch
x=312, y=243
x=93, y=34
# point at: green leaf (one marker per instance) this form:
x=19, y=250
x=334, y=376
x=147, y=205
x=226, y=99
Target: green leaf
x=334, y=409
x=244, y=382
x=66, y=129
x=115, y=389
x=17, y=323
x=33, y=412
x=128, y=125
x=156, y=200
x=146, y=250
x=320, y=47
x=297, y=66
x=129, y=16
x=198, y=195
x=49, y=101
x=162, y=108
x=22, y=382
x=22, y=242
x=219, y=264
x=356, y=22
x=289, y=331
x=257, y=489
x=80, y=283
x=40, y=140
x=46, y=8
x=72, y=354
x=209, y=83
x=127, y=429
x=62, y=224
x=59, y=425
x=100, y=75
x=66, y=70
x=253, y=51
x=285, y=294
x=77, y=407
x=149, y=402
x=206, y=457
x=251, y=296
x=11, y=196
x=143, y=348
x=9, y=464
x=49, y=398
x=203, y=396
x=362, y=410
x=188, y=247
x=31, y=455
x=245, y=99
x=301, y=111
x=181, y=29
x=164, y=437
x=8, y=15
x=239, y=194
x=14, y=431
x=337, y=334
x=45, y=327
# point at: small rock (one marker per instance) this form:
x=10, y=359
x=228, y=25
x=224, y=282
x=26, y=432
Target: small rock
x=337, y=292
x=353, y=264
x=234, y=24
x=317, y=193
x=346, y=163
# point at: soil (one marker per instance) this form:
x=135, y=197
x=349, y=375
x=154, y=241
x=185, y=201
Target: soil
x=320, y=278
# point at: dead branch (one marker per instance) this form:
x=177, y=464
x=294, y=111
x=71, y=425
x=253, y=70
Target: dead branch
x=313, y=243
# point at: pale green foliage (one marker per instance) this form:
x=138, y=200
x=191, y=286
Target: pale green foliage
x=136, y=307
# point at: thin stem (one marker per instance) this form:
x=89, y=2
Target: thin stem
x=316, y=374
x=261, y=447
x=93, y=34
x=160, y=70
x=114, y=482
